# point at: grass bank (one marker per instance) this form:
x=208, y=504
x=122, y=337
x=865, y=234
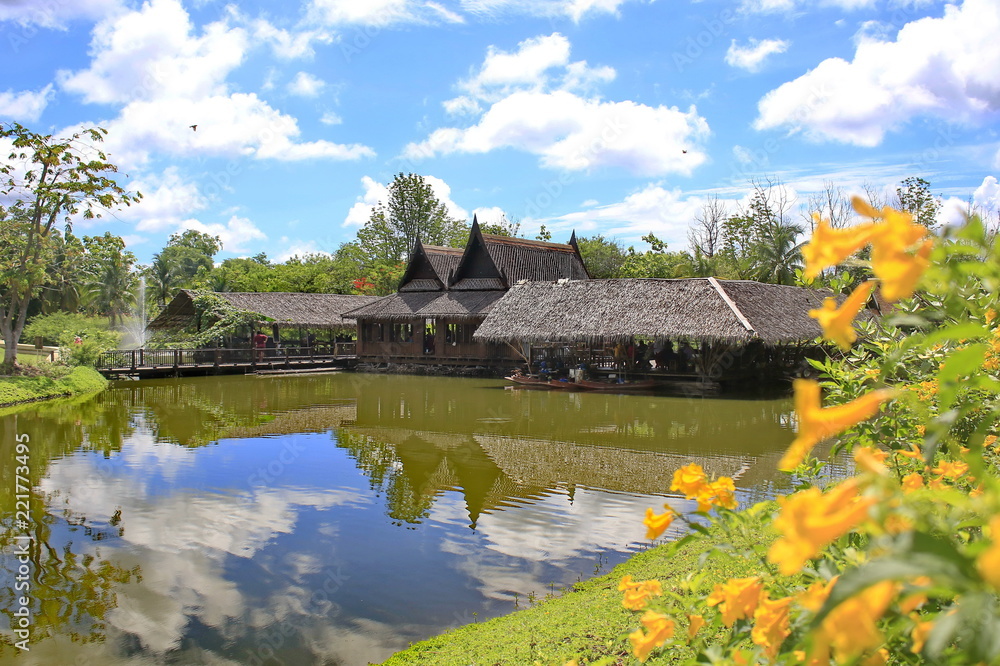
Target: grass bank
x=54, y=384
x=589, y=622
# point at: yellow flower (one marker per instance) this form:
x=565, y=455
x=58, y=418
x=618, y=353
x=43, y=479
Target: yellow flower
x=914, y=453
x=771, y=624
x=817, y=423
x=695, y=622
x=991, y=314
x=829, y=246
x=951, y=469
x=838, y=323
x=721, y=492
x=988, y=562
x=689, y=480
x=661, y=629
x=897, y=524
x=894, y=264
x=911, y=482
x=871, y=460
x=921, y=630
x=990, y=440
x=809, y=521
x=637, y=594
x=657, y=524
x=850, y=627
x=877, y=658
x=814, y=596
x=915, y=600
x=738, y=598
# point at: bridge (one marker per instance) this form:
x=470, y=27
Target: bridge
x=149, y=363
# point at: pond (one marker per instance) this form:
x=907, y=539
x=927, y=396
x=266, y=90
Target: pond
x=335, y=518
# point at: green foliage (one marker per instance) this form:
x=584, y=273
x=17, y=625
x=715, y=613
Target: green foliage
x=14, y=390
x=913, y=576
x=61, y=328
x=412, y=211
x=225, y=318
x=49, y=181
x=603, y=257
x=505, y=227
x=914, y=196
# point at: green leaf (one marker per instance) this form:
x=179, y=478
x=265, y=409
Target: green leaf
x=916, y=554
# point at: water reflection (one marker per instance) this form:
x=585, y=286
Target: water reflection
x=335, y=518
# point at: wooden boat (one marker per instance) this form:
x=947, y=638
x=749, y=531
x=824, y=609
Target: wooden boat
x=542, y=382
x=533, y=382
x=641, y=385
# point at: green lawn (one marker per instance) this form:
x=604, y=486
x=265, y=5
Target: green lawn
x=64, y=381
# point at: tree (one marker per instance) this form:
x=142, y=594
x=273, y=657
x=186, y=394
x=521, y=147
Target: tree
x=602, y=256
x=914, y=196
x=705, y=235
x=48, y=180
x=505, y=227
x=412, y=211
x=190, y=255
x=162, y=278
x=111, y=283
x=831, y=204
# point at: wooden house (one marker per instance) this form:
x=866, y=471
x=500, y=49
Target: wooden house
x=742, y=329
x=445, y=294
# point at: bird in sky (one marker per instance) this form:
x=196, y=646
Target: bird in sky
x=194, y=128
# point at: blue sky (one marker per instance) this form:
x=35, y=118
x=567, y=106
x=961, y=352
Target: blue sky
x=604, y=116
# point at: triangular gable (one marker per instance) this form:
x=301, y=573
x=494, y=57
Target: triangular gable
x=477, y=270
x=429, y=267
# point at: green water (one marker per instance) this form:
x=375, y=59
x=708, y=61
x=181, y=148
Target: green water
x=334, y=518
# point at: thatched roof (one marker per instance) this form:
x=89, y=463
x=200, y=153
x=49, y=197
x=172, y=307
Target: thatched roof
x=497, y=262
x=285, y=309
x=430, y=267
x=409, y=305
x=699, y=308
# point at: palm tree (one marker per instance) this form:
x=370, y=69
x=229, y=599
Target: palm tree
x=163, y=278
x=112, y=288
x=779, y=252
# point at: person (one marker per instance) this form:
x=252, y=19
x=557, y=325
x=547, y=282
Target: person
x=666, y=358
x=642, y=356
x=687, y=357
x=259, y=343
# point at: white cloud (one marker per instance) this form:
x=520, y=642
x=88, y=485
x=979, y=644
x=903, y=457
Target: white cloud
x=288, y=45
x=379, y=13
x=298, y=248
x=53, y=14
x=331, y=118
x=540, y=102
x=489, y=214
x=665, y=213
x=362, y=209
x=25, y=106
x=570, y=132
x=376, y=193
x=941, y=67
x=772, y=6
x=167, y=78
x=306, y=85
x=573, y=9
x=752, y=56
x=167, y=200
x=987, y=196
x=235, y=233
x=539, y=63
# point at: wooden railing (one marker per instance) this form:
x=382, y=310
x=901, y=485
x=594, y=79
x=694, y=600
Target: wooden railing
x=115, y=359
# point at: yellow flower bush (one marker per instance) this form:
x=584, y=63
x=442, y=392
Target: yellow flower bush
x=899, y=563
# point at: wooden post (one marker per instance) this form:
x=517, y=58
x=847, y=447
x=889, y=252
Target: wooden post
x=133, y=360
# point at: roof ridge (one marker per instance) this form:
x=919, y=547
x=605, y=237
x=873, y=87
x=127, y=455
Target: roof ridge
x=732, y=305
